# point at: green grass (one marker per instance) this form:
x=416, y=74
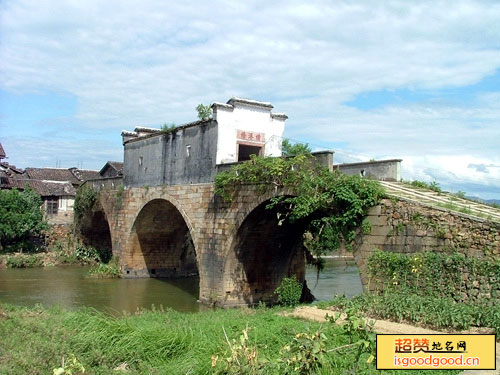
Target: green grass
x=24, y=261
x=34, y=340
x=106, y=270
x=429, y=311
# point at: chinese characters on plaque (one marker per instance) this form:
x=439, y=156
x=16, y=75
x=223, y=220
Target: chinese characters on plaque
x=250, y=136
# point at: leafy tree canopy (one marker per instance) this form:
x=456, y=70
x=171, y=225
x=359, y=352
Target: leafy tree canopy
x=21, y=215
x=331, y=202
x=289, y=149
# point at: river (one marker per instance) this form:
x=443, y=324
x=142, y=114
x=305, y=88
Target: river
x=70, y=288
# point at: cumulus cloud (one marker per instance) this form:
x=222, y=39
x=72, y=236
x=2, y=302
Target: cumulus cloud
x=149, y=62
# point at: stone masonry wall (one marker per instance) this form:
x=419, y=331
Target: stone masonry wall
x=405, y=227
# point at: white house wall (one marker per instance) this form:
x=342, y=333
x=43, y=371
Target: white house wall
x=248, y=118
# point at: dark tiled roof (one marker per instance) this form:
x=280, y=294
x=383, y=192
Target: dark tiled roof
x=115, y=165
x=52, y=174
x=45, y=188
x=84, y=174
x=2, y=152
x=4, y=180
x=10, y=168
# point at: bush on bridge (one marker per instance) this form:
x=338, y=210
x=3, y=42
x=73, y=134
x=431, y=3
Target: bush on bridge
x=333, y=204
x=85, y=199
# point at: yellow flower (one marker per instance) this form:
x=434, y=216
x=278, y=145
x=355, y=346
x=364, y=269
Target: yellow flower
x=214, y=360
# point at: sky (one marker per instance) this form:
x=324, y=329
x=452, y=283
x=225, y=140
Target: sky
x=416, y=80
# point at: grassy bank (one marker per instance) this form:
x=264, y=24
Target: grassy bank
x=426, y=311
x=35, y=340
x=59, y=248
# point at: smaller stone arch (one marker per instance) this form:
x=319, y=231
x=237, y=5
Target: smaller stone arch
x=160, y=242
x=95, y=231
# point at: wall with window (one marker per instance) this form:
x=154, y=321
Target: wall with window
x=58, y=209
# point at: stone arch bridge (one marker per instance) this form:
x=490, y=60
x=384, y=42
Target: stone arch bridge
x=237, y=248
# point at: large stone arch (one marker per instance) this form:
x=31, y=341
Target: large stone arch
x=256, y=199
x=260, y=254
x=161, y=242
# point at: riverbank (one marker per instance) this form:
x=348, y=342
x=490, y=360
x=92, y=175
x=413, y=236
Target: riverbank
x=35, y=340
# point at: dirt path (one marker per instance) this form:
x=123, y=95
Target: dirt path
x=385, y=326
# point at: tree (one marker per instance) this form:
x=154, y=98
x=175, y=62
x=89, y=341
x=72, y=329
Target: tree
x=204, y=112
x=21, y=216
x=288, y=149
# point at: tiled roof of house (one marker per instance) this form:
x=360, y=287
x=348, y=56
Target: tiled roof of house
x=74, y=175
x=115, y=165
x=4, y=180
x=52, y=174
x=10, y=169
x=2, y=152
x=84, y=174
x=45, y=188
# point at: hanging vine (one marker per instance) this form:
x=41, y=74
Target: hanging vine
x=332, y=203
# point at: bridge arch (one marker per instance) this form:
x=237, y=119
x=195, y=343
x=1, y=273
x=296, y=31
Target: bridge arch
x=160, y=242
x=260, y=254
x=95, y=231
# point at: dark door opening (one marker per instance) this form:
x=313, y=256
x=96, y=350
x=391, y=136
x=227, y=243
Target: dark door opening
x=244, y=151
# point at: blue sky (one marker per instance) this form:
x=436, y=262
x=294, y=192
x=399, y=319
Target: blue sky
x=417, y=80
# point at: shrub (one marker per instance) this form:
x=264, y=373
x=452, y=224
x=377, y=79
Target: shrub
x=20, y=216
x=24, y=261
x=106, y=270
x=289, y=291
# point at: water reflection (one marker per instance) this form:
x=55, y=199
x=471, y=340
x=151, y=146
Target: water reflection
x=340, y=276
x=69, y=288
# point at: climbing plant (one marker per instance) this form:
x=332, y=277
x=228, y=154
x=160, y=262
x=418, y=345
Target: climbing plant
x=331, y=203
x=84, y=202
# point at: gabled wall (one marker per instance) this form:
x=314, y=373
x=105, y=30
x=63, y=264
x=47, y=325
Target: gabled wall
x=247, y=116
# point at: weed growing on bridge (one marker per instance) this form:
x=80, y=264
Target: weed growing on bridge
x=440, y=275
x=85, y=200
x=333, y=204
x=167, y=129
x=119, y=197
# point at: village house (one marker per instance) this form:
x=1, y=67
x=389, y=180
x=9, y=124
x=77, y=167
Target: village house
x=56, y=186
